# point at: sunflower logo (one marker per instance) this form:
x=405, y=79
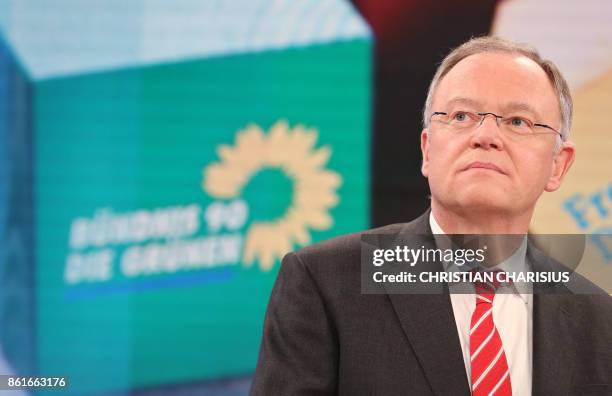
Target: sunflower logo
x=292, y=151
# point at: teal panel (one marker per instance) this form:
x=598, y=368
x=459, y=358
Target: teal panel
x=154, y=184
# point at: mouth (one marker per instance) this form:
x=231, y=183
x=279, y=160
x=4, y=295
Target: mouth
x=484, y=166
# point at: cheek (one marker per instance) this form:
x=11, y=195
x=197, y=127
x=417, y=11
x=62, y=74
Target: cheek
x=438, y=167
x=533, y=171
x=442, y=156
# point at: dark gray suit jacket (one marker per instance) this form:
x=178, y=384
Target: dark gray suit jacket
x=322, y=336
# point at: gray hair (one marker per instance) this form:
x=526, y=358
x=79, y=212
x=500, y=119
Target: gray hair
x=496, y=44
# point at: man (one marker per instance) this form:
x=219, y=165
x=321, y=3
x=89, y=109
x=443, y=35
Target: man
x=496, y=127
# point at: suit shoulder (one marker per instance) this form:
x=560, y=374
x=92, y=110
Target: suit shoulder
x=578, y=284
x=351, y=242
x=338, y=260
x=596, y=306
x=333, y=265
x=343, y=243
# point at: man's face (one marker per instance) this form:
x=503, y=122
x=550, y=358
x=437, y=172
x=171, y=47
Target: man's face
x=457, y=164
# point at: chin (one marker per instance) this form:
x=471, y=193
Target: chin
x=486, y=199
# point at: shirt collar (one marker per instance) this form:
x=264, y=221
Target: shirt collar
x=515, y=263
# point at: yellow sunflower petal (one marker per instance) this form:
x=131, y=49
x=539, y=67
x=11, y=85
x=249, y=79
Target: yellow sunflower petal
x=292, y=151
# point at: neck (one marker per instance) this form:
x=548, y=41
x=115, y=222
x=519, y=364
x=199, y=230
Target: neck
x=479, y=220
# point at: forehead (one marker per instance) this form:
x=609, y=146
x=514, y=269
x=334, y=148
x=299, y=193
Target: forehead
x=497, y=80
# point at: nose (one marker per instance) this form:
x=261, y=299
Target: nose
x=487, y=134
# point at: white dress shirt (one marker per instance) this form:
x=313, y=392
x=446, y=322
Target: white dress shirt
x=512, y=315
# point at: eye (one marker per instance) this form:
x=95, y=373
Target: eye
x=518, y=122
x=460, y=116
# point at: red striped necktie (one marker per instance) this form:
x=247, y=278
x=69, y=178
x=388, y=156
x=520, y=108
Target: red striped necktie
x=490, y=375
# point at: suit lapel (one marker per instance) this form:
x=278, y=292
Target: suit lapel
x=552, y=333
x=552, y=340
x=429, y=323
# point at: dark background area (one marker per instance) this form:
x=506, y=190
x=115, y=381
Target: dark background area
x=410, y=39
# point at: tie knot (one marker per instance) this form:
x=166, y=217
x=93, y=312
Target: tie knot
x=487, y=287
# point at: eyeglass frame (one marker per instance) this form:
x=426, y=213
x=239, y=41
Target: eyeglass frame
x=497, y=117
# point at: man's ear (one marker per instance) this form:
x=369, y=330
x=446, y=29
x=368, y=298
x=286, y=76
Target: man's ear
x=425, y=153
x=561, y=165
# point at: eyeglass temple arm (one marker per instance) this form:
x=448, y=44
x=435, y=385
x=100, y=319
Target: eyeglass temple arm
x=549, y=127
x=435, y=113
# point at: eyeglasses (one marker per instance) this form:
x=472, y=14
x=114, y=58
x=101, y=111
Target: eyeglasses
x=461, y=120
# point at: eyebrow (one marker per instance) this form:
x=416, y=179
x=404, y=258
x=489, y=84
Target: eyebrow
x=464, y=100
x=512, y=106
